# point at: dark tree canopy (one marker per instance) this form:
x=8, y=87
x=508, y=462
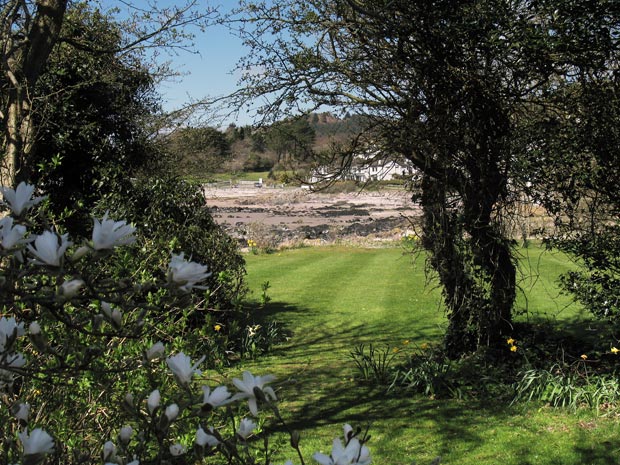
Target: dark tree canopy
x=446, y=84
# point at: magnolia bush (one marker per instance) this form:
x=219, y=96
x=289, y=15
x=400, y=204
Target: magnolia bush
x=90, y=361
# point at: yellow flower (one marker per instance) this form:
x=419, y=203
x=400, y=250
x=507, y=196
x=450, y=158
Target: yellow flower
x=217, y=328
x=584, y=357
x=513, y=348
x=510, y=341
x=615, y=350
x=395, y=350
x=405, y=342
x=424, y=346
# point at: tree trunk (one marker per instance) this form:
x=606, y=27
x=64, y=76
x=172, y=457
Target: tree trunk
x=25, y=55
x=474, y=264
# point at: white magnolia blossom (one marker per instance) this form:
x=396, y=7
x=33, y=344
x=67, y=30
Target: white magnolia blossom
x=182, y=368
x=37, y=442
x=22, y=412
x=125, y=434
x=34, y=328
x=172, y=412
x=69, y=289
x=20, y=199
x=49, y=248
x=220, y=396
x=9, y=330
x=353, y=454
x=246, y=427
x=247, y=387
x=113, y=315
x=12, y=235
x=177, y=449
x=186, y=274
x=108, y=234
x=206, y=439
x=155, y=351
x=152, y=402
x=109, y=450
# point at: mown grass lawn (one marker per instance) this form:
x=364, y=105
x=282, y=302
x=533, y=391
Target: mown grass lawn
x=332, y=298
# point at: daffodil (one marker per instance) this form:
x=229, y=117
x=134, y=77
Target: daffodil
x=20, y=199
x=251, y=386
x=510, y=341
x=513, y=348
x=615, y=350
x=108, y=233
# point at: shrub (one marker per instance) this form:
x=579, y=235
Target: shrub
x=78, y=358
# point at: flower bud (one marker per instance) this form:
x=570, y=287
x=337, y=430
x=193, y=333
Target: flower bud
x=109, y=450
x=152, y=402
x=171, y=412
x=21, y=412
x=79, y=253
x=69, y=289
x=124, y=434
x=157, y=350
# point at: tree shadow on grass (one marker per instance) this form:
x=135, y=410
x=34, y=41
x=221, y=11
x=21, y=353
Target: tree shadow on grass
x=317, y=386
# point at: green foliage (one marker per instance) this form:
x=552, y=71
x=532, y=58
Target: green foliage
x=93, y=130
x=172, y=216
x=570, y=387
x=198, y=151
x=375, y=365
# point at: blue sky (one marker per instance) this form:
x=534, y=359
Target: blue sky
x=206, y=73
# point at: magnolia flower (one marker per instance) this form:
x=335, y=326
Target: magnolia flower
x=34, y=328
x=125, y=434
x=155, y=351
x=152, y=402
x=205, y=439
x=37, y=442
x=20, y=199
x=108, y=234
x=22, y=412
x=9, y=330
x=186, y=274
x=246, y=426
x=109, y=450
x=171, y=412
x=220, y=396
x=252, y=385
x=11, y=235
x=177, y=449
x=353, y=454
x=182, y=368
x=113, y=315
x=69, y=289
x=48, y=250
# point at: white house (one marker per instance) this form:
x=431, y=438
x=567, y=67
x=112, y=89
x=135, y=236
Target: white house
x=365, y=168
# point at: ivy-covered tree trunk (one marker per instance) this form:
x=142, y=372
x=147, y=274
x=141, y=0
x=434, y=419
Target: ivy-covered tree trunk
x=474, y=263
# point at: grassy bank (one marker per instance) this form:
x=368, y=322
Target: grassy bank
x=331, y=299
